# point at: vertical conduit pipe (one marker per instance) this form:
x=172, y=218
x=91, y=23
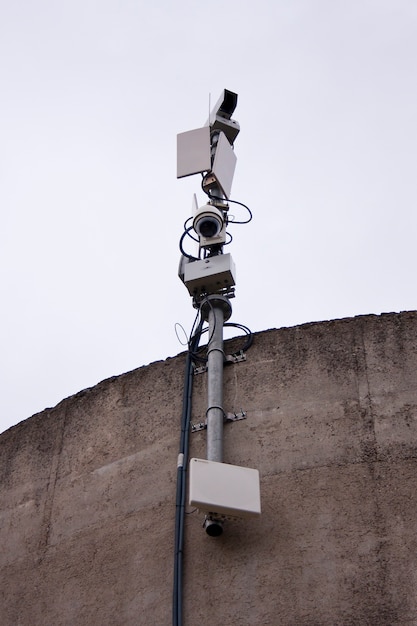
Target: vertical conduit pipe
x=177, y=594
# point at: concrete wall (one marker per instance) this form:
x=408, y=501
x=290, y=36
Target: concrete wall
x=87, y=497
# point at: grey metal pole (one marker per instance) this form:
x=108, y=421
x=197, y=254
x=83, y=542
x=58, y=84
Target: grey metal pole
x=216, y=310
x=215, y=362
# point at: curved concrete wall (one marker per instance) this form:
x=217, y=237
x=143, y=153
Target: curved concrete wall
x=87, y=499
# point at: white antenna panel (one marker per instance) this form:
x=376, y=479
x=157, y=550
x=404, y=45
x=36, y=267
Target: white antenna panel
x=224, y=165
x=224, y=489
x=193, y=152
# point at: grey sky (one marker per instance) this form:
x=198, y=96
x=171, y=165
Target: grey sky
x=93, y=95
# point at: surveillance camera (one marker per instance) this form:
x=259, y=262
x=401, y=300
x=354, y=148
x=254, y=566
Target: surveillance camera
x=210, y=226
x=213, y=527
x=225, y=105
x=208, y=221
x=220, y=116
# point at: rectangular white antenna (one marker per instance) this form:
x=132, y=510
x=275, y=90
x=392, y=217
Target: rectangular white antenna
x=193, y=152
x=223, y=489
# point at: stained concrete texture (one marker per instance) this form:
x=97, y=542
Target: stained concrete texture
x=87, y=497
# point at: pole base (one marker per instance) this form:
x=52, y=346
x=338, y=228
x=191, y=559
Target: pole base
x=216, y=301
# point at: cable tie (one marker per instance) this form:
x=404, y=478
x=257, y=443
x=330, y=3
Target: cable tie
x=180, y=460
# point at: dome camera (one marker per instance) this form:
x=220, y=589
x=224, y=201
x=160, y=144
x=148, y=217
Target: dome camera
x=210, y=226
x=213, y=527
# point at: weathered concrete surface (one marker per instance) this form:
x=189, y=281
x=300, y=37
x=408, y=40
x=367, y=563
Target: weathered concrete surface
x=87, y=498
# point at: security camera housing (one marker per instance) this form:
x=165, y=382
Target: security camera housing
x=210, y=226
x=220, y=116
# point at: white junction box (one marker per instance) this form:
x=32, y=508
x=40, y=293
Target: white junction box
x=210, y=275
x=225, y=489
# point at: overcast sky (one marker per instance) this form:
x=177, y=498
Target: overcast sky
x=93, y=94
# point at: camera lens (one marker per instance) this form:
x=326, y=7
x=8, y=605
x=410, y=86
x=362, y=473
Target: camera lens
x=208, y=227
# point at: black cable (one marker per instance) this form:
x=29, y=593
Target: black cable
x=192, y=333
x=185, y=233
x=214, y=318
x=181, y=478
x=186, y=224
x=183, y=343
x=226, y=243
x=245, y=206
x=247, y=331
x=179, y=521
x=244, y=348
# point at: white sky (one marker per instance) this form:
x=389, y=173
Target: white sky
x=93, y=94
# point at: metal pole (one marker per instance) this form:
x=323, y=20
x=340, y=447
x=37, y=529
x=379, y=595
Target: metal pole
x=215, y=356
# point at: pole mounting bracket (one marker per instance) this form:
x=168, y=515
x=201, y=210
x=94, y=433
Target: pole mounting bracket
x=234, y=417
x=238, y=357
x=229, y=417
x=235, y=358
